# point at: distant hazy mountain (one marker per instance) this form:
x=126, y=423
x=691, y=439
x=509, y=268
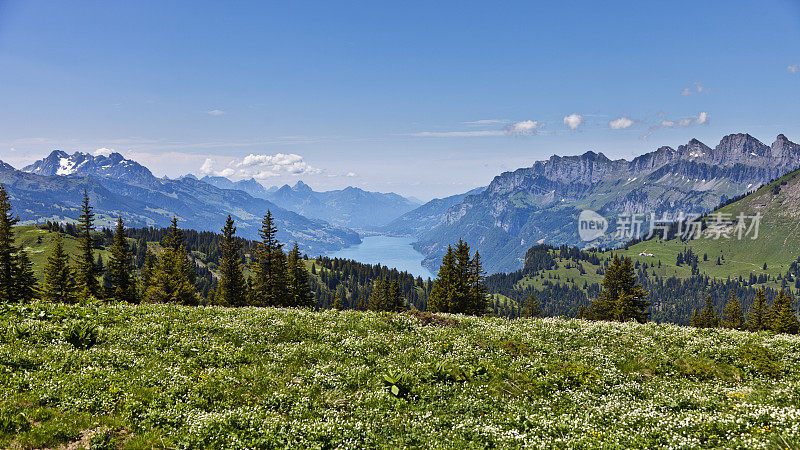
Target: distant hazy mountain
x=427, y=216
x=251, y=186
x=50, y=189
x=540, y=204
x=349, y=207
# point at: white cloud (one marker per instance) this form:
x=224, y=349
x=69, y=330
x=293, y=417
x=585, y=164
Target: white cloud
x=485, y=122
x=459, y=133
x=794, y=68
x=351, y=174
x=207, y=167
x=521, y=128
x=695, y=87
x=103, y=151
x=701, y=119
x=261, y=166
x=620, y=123
x=216, y=112
x=525, y=127
x=573, y=121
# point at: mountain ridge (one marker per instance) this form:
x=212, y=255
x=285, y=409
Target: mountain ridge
x=540, y=203
x=51, y=188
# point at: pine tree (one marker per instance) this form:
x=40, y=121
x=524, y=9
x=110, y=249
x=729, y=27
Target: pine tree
x=396, y=302
x=782, y=317
x=299, y=288
x=376, y=299
x=58, y=286
x=462, y=301
x=170, y=282
x=621, y=298
x=86, y=270
x=337, y=302
x=532, y=308
x=756, y=320
x=147, y=275
x=25, y=281
x=17, y=282
x=120, y=282
x=477, y=288
x=708, y=316
x=733, y=314
x=442, y=293
x=8, y=250
x=270, y=273
x=459, y=286
x=604, y=306
x=696, y=319
x=232, y=287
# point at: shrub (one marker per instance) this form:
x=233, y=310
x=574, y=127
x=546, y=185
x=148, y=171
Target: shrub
x=762, y=360
x=399, y=384
x=82, y=335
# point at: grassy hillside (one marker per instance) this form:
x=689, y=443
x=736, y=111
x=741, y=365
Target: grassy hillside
x=777, y=245
x=263, y=378
x=39, y=245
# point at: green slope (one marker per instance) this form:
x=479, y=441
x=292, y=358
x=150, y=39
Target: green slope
x=39, y=245
x=777, y=244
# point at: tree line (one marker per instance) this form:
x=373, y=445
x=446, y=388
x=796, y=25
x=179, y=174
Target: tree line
x=247, y=273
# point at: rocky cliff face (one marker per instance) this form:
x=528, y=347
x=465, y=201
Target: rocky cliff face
x=540, y=204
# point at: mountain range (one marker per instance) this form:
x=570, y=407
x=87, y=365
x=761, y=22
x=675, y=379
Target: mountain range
x=541, y=203
x=51, y=189
x=350, y=207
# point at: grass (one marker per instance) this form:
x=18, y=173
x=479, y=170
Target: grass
x=181, y=377
x=39, y=245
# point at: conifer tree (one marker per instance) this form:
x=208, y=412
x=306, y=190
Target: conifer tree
x=58, y=286
x=86, y=270
x=337, y=302
x=532, y=308
x=17, y=283
x=782, y=317
x=477, y=289
x=696, y=319
x=25, y=281
x=270, y=273
x=442, y=293
x=120, y=281
x=170, y=282
x=757, y=319
x=621, y=298
x=299, y=289
x=232, y=286
x=733, y=314
x=385, y=296
x=396, y=302
x=462, y=301
x=376, y=299
x=148, y=270
x=708, y=316
x=7, y=249
x=459, y=286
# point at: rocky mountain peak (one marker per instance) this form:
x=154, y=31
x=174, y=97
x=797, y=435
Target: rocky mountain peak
x=113, y=166
x=301, y=187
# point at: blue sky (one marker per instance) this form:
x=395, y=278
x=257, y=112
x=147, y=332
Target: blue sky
x=421, y=98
